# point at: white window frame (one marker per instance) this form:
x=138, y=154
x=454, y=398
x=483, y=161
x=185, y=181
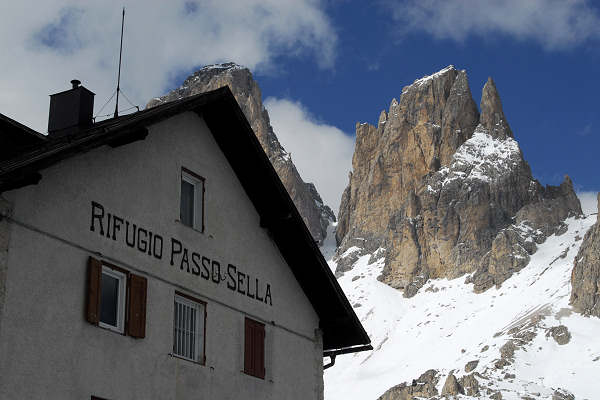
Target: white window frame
x=121, y=299
x=179, y=342
x=198, y=207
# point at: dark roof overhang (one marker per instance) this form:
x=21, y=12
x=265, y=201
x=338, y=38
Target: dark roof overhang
x=16, y=138
x=342, y=330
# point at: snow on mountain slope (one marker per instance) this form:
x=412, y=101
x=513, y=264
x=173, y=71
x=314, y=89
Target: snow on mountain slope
x=481, y=157
x=446, y=325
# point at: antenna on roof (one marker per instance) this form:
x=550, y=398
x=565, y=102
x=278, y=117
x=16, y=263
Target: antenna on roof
x=119, y=76
x=118, y=91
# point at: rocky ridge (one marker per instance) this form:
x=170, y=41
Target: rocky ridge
x=585, y=278
x=315, y=213
x=444, y=191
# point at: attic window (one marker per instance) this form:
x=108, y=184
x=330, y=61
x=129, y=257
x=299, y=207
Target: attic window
x=192, y=200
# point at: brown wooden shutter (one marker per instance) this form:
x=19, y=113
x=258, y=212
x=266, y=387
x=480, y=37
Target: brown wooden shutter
x=136, y=326
x=259, y=338
x=248, y=367
x=93, y=290
x=254, y=348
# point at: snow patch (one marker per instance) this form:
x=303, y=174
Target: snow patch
x=481, y=158
x=428, y=78
x=446, y=325
x=226, y=66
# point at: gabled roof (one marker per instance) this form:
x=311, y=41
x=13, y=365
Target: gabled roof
x=232, y=132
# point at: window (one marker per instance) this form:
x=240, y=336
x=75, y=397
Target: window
x=116, y=299
x=189, y=328
x=112, y=299
x=192, y=200
x=254, y=348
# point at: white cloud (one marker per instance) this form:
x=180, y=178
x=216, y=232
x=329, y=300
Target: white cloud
x=45, y=44
x=555, y=24
x=589, y=202
x=322, y=153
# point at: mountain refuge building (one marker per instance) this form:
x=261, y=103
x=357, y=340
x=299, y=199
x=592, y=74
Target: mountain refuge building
x=157, y=255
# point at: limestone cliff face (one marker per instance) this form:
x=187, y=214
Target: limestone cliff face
x=414, y=138
x=585, y=278
x=445, y=191
x=316, y=215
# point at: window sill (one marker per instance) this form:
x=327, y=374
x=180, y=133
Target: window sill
x=254, y=376
x=111, y=328
x=187, y=359
x=189, y=227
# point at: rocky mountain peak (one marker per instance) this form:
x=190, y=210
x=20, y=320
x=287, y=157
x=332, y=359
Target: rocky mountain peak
x=435, y=115
x=246, y=91
x=492, y=117
x=441, y=191
x=443, y=75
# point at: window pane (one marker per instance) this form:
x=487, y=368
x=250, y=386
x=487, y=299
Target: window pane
x=175, y=328
x=193, y=338
x=199, y=323
x=199, y=202
x=109, y=300
x=187, y=203
x=187, y=334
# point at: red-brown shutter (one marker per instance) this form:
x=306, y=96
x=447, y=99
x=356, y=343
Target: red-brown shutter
x=248, y=367
x=93, y=292
x=259, y=338
x=254, y=348
x=136, y=326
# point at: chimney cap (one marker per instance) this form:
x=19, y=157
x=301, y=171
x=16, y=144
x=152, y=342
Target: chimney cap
x=75, y=83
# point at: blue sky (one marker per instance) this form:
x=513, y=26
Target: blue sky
x=551, y=97
x=325, y=65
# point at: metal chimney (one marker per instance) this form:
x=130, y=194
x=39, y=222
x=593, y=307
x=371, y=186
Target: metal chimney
x=70, y=110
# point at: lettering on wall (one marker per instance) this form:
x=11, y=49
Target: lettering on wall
x=153, y=245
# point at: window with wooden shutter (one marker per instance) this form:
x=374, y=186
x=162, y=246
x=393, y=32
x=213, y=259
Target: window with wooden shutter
x=254, y=348
x=116, y=299
x=136, y=326
x=93, y=300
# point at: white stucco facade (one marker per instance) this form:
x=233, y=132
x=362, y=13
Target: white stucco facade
x=49, y=350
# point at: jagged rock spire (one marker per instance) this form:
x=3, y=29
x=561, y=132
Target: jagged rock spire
x=492, y=117
x=445, y=191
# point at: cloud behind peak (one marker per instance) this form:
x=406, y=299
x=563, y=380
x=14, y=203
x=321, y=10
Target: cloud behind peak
x=554, y=24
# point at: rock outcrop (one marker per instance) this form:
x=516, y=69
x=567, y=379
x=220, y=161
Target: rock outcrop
x=316, y=215
x=560, y=334
x=446, y=190
x=423, y=387
x=471, y=365
x=452, y=386
x=585, y=278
